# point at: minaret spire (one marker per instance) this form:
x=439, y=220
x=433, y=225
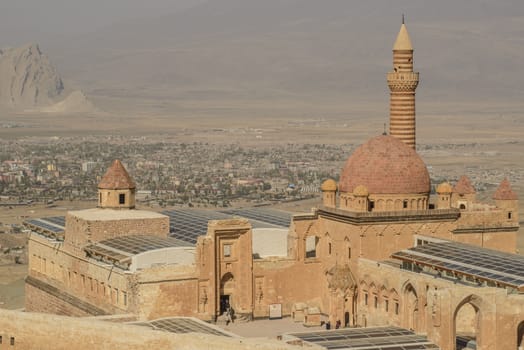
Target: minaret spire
x=402, y=82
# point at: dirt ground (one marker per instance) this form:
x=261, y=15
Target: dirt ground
x=267, y=328
x=12, y=286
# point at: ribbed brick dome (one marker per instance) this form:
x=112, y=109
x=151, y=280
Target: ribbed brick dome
x=385, y=165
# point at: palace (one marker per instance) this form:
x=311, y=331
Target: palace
x=378, y=250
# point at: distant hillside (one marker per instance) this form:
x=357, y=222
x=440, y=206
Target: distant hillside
x=29, y=82
x=27, y=78
x=76, y=102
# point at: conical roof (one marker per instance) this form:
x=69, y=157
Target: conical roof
x=464, y=186
x=116, y=178
x=504, y=192
x=403, y=41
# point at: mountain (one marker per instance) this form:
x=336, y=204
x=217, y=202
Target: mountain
x=75, y=102
x=28, y=79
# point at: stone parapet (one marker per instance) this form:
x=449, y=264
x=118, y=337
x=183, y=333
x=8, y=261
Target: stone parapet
x=403, y=81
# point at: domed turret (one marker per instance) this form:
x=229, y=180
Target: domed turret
x=329, y=185
x=444, y=191
x=116, y=190
x=361, y=191
x=329, y=193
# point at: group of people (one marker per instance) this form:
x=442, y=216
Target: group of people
x=337, y=324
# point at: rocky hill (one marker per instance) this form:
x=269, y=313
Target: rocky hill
x=27, y=78
x=75, y=102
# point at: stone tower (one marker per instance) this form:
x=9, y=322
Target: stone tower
x=507, y=200
x=402, y=82
x=116, y=190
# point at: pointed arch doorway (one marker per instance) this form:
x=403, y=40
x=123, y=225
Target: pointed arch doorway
x=227, y=288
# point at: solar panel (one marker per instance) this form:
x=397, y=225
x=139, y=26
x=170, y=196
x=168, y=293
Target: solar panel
x=45, y=225
x=185, y=325
x=481, y=263
x=120, y=248
x=57, y=220
x=379, y=338
x=263, y=215
x=187, y=225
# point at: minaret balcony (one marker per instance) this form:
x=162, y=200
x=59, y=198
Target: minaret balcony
x=402, y=81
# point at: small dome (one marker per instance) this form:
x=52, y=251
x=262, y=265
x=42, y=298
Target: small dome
x=361, y=191
x=329, y=185
x=116, y=178
x=444, y=187
x=505, y=192
x=463, y=186
x=385, y=165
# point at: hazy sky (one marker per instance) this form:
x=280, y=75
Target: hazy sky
x=40, y=20
x=44, y=21
x=318, y=46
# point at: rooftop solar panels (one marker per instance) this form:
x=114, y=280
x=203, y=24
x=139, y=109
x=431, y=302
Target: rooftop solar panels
x=184, y=325
x=188, y=224
x=119, y=249
x=481, y=263
x=263, y=215
x=57, y=220
x=378, y=338
x=138, y=244
x=52, y=227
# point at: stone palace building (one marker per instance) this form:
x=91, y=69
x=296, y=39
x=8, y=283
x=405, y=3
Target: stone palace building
x=379, y=249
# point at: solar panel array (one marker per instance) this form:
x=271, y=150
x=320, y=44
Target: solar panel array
x=45, y=226
x=188, y=224
x=263, y=215
x=484, y=264
x=379, y=338
x=138, y=244
x=120, y=248
x=186, y=325
x=52, y=226
x=57, y=220
x=95, y=249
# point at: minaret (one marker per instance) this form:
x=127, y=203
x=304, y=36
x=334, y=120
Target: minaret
x=402, y=82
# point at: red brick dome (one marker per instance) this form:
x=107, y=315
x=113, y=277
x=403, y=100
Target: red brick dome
x=385, y=165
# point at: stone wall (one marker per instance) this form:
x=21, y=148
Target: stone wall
x=50, y=332
x=438, y=307
x=287, y=282
x=166, y=291
x=80, y=231
x=39, y=300
x=102, y=286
